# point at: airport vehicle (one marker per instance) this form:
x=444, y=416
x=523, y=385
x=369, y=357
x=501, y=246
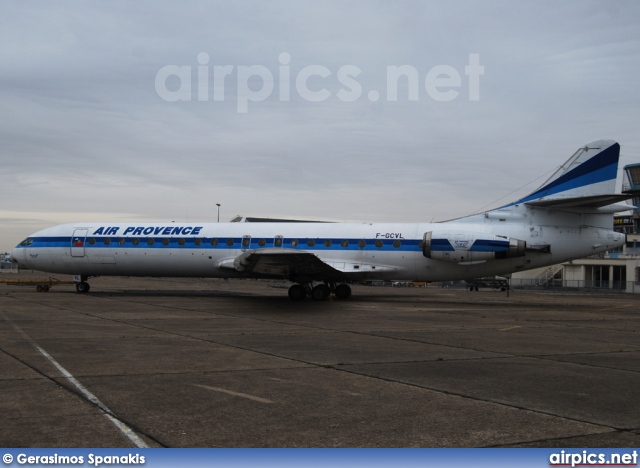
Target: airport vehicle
x=570, y=216
x=41, y=284
x=493, y=282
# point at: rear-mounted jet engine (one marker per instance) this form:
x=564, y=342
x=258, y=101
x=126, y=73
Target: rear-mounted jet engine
x=469, y=247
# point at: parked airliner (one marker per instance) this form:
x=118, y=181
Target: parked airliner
x=570, y=216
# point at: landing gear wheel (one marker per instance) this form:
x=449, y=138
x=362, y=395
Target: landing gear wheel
x=45, y=288
x=39, y=288
x=320, y=292
x=82, y=287
x=297, y=292
x=343, y=291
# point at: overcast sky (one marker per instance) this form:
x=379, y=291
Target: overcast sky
x=98, y=122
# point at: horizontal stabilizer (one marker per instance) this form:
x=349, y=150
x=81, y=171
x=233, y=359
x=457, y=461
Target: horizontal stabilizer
x=594, y=201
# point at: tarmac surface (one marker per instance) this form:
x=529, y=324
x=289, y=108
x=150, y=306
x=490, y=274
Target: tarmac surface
x=210, y=363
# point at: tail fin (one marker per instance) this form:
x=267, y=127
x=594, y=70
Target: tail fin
x=588, y=178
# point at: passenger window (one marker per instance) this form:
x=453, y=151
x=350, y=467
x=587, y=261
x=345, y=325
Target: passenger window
x=344, y=243
x=180, y=241
x=230, y=242
x=379, y=243
x=294, y=243
x=107, y=240
x=362, y=243
x=198, y=242
x=150, y=241
x=121, y=241
x=396, y=244
x=92, y=241
x=262, y=242
x=135, y=241
x=214, y=242
x=277, y=241
x=328, y=243
x=311, y=243
x=165, y=241
x=246, y=241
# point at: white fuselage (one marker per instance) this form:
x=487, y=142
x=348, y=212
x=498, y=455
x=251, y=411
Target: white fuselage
x=358, y=251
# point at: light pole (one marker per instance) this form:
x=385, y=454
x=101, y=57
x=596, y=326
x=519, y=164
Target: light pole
x=218, y=205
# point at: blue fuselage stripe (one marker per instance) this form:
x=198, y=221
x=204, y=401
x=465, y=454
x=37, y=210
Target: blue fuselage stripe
x=437, y=245
x=441, y=245
x=205, y=243
x=486, y=245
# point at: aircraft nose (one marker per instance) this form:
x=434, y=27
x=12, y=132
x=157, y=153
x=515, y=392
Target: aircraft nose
x=17, y=256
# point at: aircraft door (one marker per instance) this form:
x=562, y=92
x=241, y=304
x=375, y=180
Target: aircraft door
x=77, y=242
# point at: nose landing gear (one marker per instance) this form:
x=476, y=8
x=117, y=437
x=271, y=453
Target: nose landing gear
x=83, y=287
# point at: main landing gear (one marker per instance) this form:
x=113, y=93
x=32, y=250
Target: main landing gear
x=319, y=292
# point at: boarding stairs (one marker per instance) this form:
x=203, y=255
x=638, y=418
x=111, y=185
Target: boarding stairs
x=546, y=275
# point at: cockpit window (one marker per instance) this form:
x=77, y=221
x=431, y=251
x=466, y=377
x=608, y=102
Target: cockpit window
x=28, y=241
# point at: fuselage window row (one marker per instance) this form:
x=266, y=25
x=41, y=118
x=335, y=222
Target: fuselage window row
x=245, y=242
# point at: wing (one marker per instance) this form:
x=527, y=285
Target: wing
x=289, y=263
x=285, y=263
